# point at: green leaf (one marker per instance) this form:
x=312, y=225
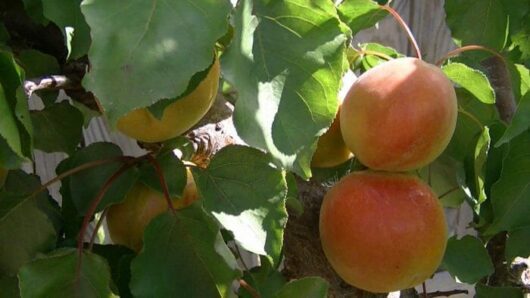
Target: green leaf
x=156, y=46
x=360, y=14
x=518, y=244
x=119, y=259
x=523, y=79
x=26, y=225
x=509, y=195
x=292, y=203
x=9, y=286
x=66, y=14
x=34, y=10
x=479, y=161
x=287, y=94
x=443, y=176
x=264, y=279
x=15, y=125
x=174, y=174
x=472, y=80
x=481, y=22
x=484, y=291
x=85, y=185
x=369, y=59
x=55, y=276
x=36, y=63
x=58, y=127
x=184, y=255
x=246, y=194
x=467, y=259
x=307, y=287
x=520, y=121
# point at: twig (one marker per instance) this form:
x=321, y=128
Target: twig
x=162, y=181
x=446, y=293
x=460, y=50
x=91, y=210
x=52, y=82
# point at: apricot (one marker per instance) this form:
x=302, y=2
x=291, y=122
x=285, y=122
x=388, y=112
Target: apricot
x=178, y=117
x=127, y=220
x=382, y=232
x=331, y=150
x=399, y=115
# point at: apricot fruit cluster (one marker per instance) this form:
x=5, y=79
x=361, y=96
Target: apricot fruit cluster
x=383, y=229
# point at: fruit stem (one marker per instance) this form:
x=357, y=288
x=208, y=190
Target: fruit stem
x=90, y=212
x=95, y=232
x=403, y=25
x=162, y=180
x=249, y=288
x=460, y=50
x=424, y=288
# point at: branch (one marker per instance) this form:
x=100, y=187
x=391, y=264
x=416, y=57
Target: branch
x=497, y=72
x=51, y=82
x=446, y=293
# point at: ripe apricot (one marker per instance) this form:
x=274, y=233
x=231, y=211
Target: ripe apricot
x=331, y=150
x=399, y=115
x=382, y=232
x=178, y=117
x=127, y=220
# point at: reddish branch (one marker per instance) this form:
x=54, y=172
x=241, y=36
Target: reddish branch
x=404, y=25
x=162, y=180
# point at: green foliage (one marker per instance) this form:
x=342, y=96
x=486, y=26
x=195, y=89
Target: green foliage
x=472, y=80
x=518, y=243
x=360, y=14
x=482, y=22
x=150, y=46
x=310, y=287
x=246, y=194
x=467, y=259
x=498, y=292
x=284, y=61
x=84, y=186
x=58, y=127
x=26, y=222
x=287, y=94
x=173, y=170
x=57, y=275
x=179, y=250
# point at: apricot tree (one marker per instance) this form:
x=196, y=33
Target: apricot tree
x=238, y=103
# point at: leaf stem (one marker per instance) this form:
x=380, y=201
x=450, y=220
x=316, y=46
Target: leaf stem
x=460, y=50
x=404, y=25
x=424, y=288
x=80, y=168
x=90, y=212
x=162, y=181
x=446, y=293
